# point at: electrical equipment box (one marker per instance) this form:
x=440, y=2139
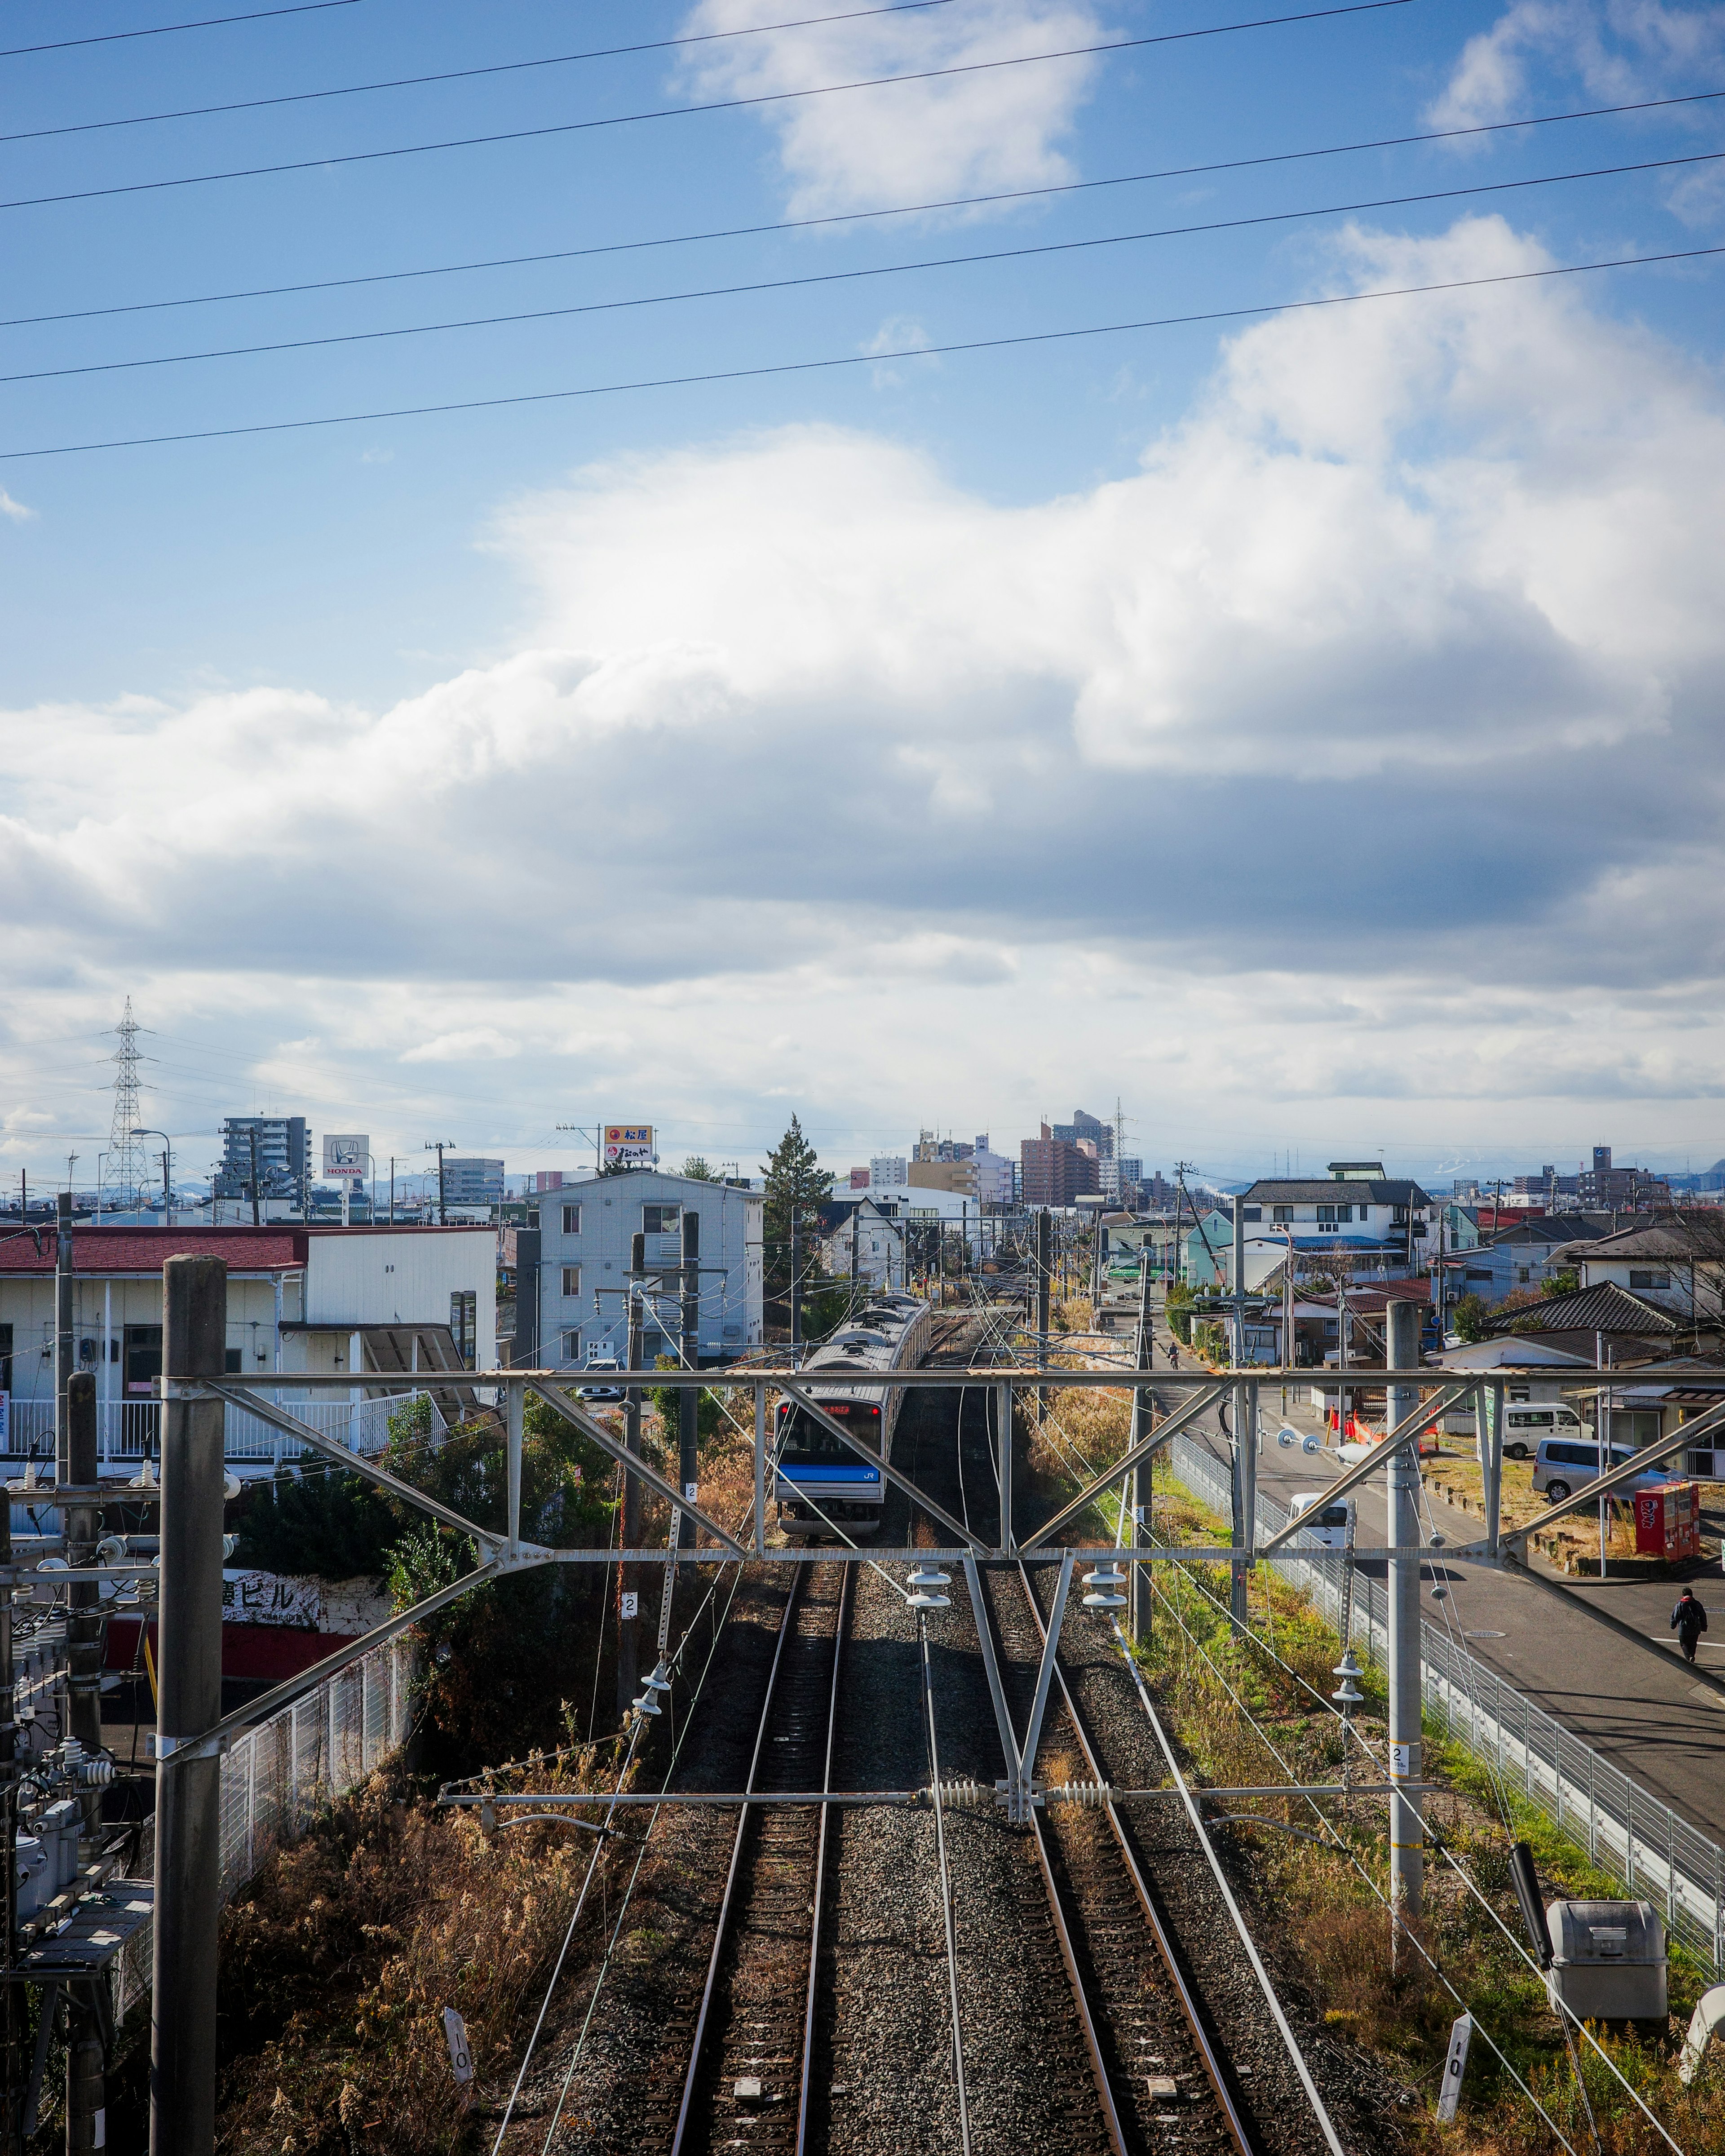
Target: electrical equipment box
x=34, y=1872
x=59, y=1827
x=1668, y=1520
x=1608, y=1960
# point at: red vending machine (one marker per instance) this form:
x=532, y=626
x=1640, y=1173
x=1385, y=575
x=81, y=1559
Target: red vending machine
x=1668, y=1521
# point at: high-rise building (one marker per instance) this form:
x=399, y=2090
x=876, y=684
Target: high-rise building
x=283, y=1155
x=1056, y=1171
x=886, y=1171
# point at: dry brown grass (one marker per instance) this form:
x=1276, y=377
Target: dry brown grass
x=338, y=1964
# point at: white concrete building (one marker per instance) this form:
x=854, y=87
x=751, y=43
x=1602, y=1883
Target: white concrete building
x=880, y=1246
x=886, y=1171
x=585, y=1233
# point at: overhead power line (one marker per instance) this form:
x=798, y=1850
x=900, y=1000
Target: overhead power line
x=856, y=359
x=689, y=111
x=470, y=74
x=849, y=217
x=853, y=275
x=171, y=29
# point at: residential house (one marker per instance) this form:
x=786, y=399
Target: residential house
x=1207, y=1251
x=1631, y=1326
x=585, y=1242
x=868, y=1237
x=1530, y=1250
x=1677, y=1260
x=1358, y=1211
x=363, y=1301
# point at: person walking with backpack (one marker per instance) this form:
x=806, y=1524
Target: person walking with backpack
x=1689, y=1620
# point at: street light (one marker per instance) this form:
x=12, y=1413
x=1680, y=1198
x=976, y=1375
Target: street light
x=167, y=1168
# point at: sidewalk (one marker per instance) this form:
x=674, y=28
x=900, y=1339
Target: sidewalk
x=1639, y=1708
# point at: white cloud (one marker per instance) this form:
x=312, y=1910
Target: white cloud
x=1616, y=49
x=963, y=134
x=899, y=337
x=15, y=512
x=1362, y=743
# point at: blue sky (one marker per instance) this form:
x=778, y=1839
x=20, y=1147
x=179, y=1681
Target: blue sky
x=1306, y=730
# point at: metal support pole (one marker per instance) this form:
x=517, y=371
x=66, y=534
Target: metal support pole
x=65, y=1346
x=87, y=2073
x=760, y=1468
x=796, y=1292
x=628, y=1573
x=1003, y=1418
x=1143, y=1474
x=84, y=1625
x=1043, y=1260
x=689, y=1401
x=1406, y=1825
x=188, y=1792
x=12, y=1995
x=514, y=1407
x=1245, y=1481
x=1238, y=1284
x=1489, y=1425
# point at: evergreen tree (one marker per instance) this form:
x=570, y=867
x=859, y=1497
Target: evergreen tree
x=796, y=1188
x=696, y=1169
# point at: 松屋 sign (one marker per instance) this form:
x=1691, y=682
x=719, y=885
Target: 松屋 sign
x=628, y=1145
x=345, y=1157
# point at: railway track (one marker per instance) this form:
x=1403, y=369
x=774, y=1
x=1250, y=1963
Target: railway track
x=752, y=2056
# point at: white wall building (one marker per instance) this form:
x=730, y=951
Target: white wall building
x=880, y=1247
x=585, y=1235
x=886, y=1171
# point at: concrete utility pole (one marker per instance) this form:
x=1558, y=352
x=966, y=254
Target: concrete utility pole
x=257, y=1216
x=65, y=1347
x=629, y=1575
x=1143, y=1473
x=1407, y=1830
x=796, y=1289
x=188, y=1792
x=689, y=1399
x=1238, y=1283
x=84, y=1625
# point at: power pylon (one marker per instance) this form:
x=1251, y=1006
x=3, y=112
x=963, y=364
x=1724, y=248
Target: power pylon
x=126, y=1148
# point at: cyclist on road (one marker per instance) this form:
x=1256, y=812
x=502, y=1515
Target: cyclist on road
x=1689, y=1620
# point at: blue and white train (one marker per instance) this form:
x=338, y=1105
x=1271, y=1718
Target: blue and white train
x=819, y=1480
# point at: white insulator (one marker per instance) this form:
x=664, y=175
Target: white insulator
x=930, y=1601
x=648, y=1704
x=929, y=1576
x=1104, y=1602
x=965, y=1796
x=1090, y=1796
x=658, y=1681
x=1106, y=1575
x=96, y=1774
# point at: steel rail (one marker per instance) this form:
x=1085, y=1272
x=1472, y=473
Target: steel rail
x=1086, y=2019
x=949, y=1924
x=1152, y=1918
x=820, y=1866
x=787, y=1624
x=751, y=1802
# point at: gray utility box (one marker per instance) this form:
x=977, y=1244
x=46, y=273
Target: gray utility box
x=1608, y=1960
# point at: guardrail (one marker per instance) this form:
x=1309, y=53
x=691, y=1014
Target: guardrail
x=1630, y=1836
x=277, y=1777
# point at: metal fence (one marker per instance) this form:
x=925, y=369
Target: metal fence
x=1628, y=1834
x=277, y=1777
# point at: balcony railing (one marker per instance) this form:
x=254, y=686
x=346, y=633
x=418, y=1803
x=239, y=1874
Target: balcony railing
x=128, y=1431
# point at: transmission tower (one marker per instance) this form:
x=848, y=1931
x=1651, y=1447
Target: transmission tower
x=126, y=1148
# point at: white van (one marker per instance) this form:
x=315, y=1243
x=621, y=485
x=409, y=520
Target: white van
x=1526, y=1429
x=1329, y=1524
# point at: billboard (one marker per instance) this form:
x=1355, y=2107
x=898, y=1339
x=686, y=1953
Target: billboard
x=344, y=1157
x=628, y=1145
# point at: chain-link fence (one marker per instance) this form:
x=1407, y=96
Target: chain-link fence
x=1628, y=1834
x=276, y=1777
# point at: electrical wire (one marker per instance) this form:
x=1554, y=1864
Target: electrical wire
x=687, y=111
x=471, y=74
x=833, y=276
x=170, y=29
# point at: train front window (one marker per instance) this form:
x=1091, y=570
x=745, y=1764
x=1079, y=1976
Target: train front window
x=811, y=1444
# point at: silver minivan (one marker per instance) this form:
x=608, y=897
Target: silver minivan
x=1562, y=1466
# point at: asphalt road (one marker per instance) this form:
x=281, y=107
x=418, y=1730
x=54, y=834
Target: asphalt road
x=1637, y=1705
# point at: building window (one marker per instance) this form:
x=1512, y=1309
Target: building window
x=571, y=1280
x=463, y=1324
x=1525, y=1273
x=1251, y=1212
x=1332, y=1216
x=1649, y=1280
x=571, y=1347
x=1281, y=1214
x=143, y=1358
x=572, y=1220
x=661, y=1220
x=1472, y=1275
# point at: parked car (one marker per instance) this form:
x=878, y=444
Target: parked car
x=600, y=1385
x=1328, y=1523
x=1524, y=1427
x=1561, y=1467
